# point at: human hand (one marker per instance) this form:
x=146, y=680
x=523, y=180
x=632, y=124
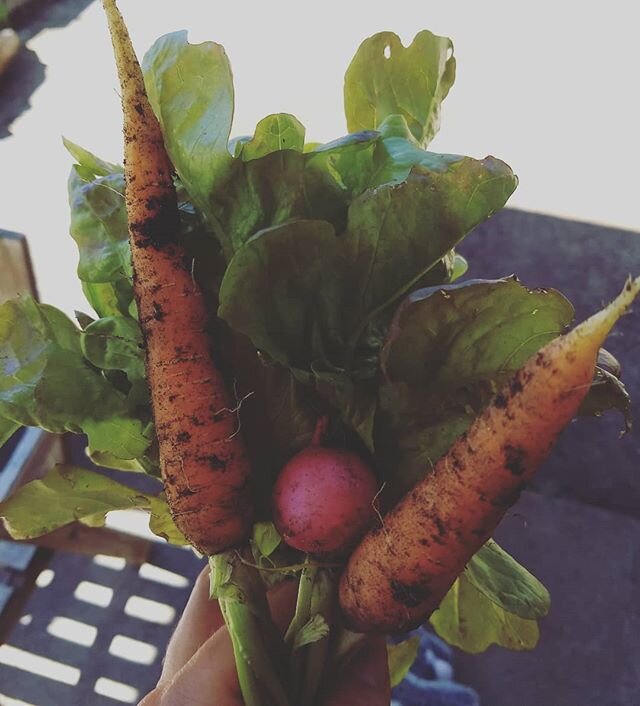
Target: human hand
x=199, y=667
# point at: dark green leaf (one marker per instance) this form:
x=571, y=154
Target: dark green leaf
x=271, y=190
x=385, y=78
x=83, y=319
x=410, y=437
x=190, y=87
x=396, y=233
x=450, y=336
x=401, y=657
x=447, y=350
x=273, y=134
x=509, y=585
x=467, y=619
x=290, y=411
x=115, y=343
x=356, y=402
x=284, y=291
x=607, y=391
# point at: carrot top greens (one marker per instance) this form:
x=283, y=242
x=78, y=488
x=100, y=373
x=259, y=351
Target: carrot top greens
x=337, y=263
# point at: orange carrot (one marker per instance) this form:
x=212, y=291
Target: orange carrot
x=402, y=570
x=203, y=461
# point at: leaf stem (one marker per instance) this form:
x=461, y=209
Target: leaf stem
x=323, y=602
x=257, y=645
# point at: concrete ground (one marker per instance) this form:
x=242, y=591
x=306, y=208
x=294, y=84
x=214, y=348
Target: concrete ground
x=578, y=529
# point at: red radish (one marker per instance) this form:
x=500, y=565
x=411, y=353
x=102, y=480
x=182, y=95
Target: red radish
x=323, y=500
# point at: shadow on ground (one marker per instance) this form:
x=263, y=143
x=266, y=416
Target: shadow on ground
x=26, y=72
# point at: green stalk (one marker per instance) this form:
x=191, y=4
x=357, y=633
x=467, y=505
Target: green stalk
x=300, y=619
x=257, y=645
x=303, y=602
x=323, y=602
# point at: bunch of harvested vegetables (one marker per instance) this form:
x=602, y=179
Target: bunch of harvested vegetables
x=279, y=338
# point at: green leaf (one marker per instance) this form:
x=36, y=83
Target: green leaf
x=385, y=78
x=92, y=166
x=349, y=160
x=447, y=351
x=273, y=134
x=7, y=429
x=110, y=298
x=283, y=291
x=45, y=381
x=398, y=153
x=104, y=459
x=290, y=410
x=450, y=336
x=401, y=657
x=161, y=523
x=276, y=188
x=266, y=537
x=83, y=319
x=607, y=391
x=96, y=520
x=115, y=343
x=314, y=630
x=190, y=87
x=396, y=233
x=500, y=578
x=29, y=334
x=64, y=495
x=467, y=619
x=117, y=433
x=356, y=402
x=99, y=227
x=459, y=267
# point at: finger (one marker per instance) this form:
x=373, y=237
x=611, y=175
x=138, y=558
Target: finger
x=209, y=678
x=366, y=682
x=200, y=619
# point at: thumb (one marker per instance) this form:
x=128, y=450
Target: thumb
x=207, y=679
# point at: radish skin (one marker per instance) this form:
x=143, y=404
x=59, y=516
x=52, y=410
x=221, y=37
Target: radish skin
x=323, y=500
x=400, y=572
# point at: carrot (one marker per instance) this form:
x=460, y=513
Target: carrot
x=204, y=464
x=401, y=571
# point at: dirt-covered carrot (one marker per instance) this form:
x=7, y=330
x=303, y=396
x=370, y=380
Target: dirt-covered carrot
x=203, y=461
x=401, y=571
